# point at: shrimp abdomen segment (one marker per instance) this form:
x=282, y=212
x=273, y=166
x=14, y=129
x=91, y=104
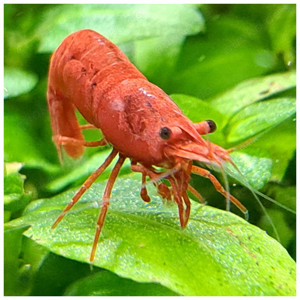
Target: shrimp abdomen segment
x=85, y=67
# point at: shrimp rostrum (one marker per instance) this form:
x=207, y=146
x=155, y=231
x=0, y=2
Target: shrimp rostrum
x=90, y=74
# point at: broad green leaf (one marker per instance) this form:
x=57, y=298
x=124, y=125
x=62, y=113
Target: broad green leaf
x=279, y=144
x=108, y=284
x=258, y=117
x=156, y=57
x=52, y=273
x=140, y=21
x=17, y=82
x=15, y=198
x=232, y=50
x=285, y=224
x=144, y=242
x=286, y=193
x=34, y=254
x=14, y=283
x=284, y=231
x=256, y=171
x=19, y=143
x=253, y=90
x=282, y=29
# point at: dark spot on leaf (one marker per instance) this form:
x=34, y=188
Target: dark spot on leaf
x=264, y=92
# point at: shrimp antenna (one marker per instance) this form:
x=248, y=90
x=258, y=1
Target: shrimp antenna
x=243, y=144
x=245, y=182
x=255, y=194
x=226, y=184
x=258, y=201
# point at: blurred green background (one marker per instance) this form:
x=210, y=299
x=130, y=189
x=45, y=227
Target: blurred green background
x=234, y=64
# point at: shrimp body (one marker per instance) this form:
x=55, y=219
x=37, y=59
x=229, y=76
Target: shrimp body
x=91, y=74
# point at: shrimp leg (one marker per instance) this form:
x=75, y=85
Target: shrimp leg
x=205, y=173
x=145, y=172
x=87, y=126
x=65, y=140
x=196, y=194
x=105, y=202
x=187, y=207
x=162, y=188
x=144, y=193
x=85, y=186
x=60, y=140
x=183, y=214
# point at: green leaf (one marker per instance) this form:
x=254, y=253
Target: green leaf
x=271, y=145
x=52, y=273
x=258, y=117
x=105, y=283
x=19, y=142
x=144, y=242
x=284, y=231
x=110, y=20
x=256, y=170
x=15, y=198
x=17, y=82
x=153, y=55
x=14, y=283
x=286, y=193
x=253, y=90
x=282, y=30
x=232, y=50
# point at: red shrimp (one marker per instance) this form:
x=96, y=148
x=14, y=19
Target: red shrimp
x=141, y=122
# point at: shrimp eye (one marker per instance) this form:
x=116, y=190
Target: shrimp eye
x=212, y=125
x=165, y=133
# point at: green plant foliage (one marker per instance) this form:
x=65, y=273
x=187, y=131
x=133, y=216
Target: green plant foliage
x=251, y=91
x=134, y=232
x=259, y=117
x=17, y=124
x=15, y=198
x=14, y=283
x=26, y=81
x=282, y=31
x=235, y=38
x=233, y=64
x=109, y=284
x=175, y=19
